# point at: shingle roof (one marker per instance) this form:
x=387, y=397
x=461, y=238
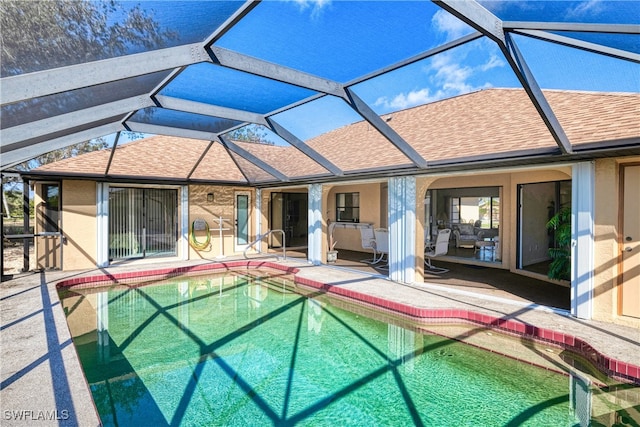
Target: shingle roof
x=482, y=123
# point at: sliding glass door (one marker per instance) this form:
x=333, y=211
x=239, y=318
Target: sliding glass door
x=143, y=222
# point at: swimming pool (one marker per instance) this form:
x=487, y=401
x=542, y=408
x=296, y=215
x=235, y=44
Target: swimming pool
x=232, y=349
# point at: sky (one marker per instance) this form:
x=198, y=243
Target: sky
x=343, y=40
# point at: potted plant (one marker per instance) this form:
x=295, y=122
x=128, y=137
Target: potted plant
x=560, y=225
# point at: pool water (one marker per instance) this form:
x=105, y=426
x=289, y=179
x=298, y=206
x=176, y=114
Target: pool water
x=237, y=350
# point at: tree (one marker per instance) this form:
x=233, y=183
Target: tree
x=40, y=35
x=251, y=133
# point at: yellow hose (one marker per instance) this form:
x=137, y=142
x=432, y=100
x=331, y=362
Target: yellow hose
x=194, y=242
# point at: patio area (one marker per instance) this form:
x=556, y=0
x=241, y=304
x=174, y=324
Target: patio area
x=465, y=278
x=41, y=372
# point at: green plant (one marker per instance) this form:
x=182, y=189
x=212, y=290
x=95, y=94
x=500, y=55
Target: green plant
x=560, y=224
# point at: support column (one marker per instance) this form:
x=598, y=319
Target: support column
x=102, y=217
x=402, y=229
x=314, y=252
x=26, y=226
x=582, y=239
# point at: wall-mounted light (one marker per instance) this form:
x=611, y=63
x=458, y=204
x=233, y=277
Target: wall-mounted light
x=210, y=197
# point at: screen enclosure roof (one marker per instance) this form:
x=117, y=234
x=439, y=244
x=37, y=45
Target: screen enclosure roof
x=263, y=93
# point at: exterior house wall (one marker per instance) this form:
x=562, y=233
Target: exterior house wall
x=79, y=224
x=223, y=205
x=370, y=200
x=607, y=250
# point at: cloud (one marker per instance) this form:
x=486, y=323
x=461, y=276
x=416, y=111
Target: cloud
x=446, y=23
x=445, y=73
x=404, y=100
x=493, y=62
x=586, y=8
x=316, y=5
x=450, y=75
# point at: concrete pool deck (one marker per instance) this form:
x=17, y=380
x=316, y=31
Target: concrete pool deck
x=42, y=381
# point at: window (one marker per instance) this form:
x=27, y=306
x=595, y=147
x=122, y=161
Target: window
x=348, y=207
x=479, y=206
x=455, y=209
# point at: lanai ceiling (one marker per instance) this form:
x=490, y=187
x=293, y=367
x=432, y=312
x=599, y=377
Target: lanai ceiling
x=293, y=70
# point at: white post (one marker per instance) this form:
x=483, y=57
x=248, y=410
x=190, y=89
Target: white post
x=314, y=252
x=582, y=239
x=402, y=229
x=102, y=326
x=102, y=226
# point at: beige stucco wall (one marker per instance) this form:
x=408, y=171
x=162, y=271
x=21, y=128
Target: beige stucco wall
x=370, y=200
x=222, y=206
x=607, y=247
x=79, y=224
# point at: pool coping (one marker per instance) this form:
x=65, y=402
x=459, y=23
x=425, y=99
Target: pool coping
x=611, y=367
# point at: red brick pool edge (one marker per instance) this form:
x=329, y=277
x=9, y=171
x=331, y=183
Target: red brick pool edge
x=611, y=367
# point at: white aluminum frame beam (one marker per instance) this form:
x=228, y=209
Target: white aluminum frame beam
x=202, y=108
x=62, y=122
x=473, y=14
x=169, y=131
x=528, y=81
x=113, y=152
x=381, y=126
x=49, y=82
x=258, y=67
x=247, y=117
x=572, y=27
x=476, y=16
x=304, y=148
x=419, y=57
x=231, y=21
x=200, y=159
x=230, y=145
x=581, y=44
x=20, y=155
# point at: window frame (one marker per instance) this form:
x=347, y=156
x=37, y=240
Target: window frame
x=350, y=202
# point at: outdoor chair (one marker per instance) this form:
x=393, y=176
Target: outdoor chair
x=368, y=238
x=440, y=248
x=382, y=245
